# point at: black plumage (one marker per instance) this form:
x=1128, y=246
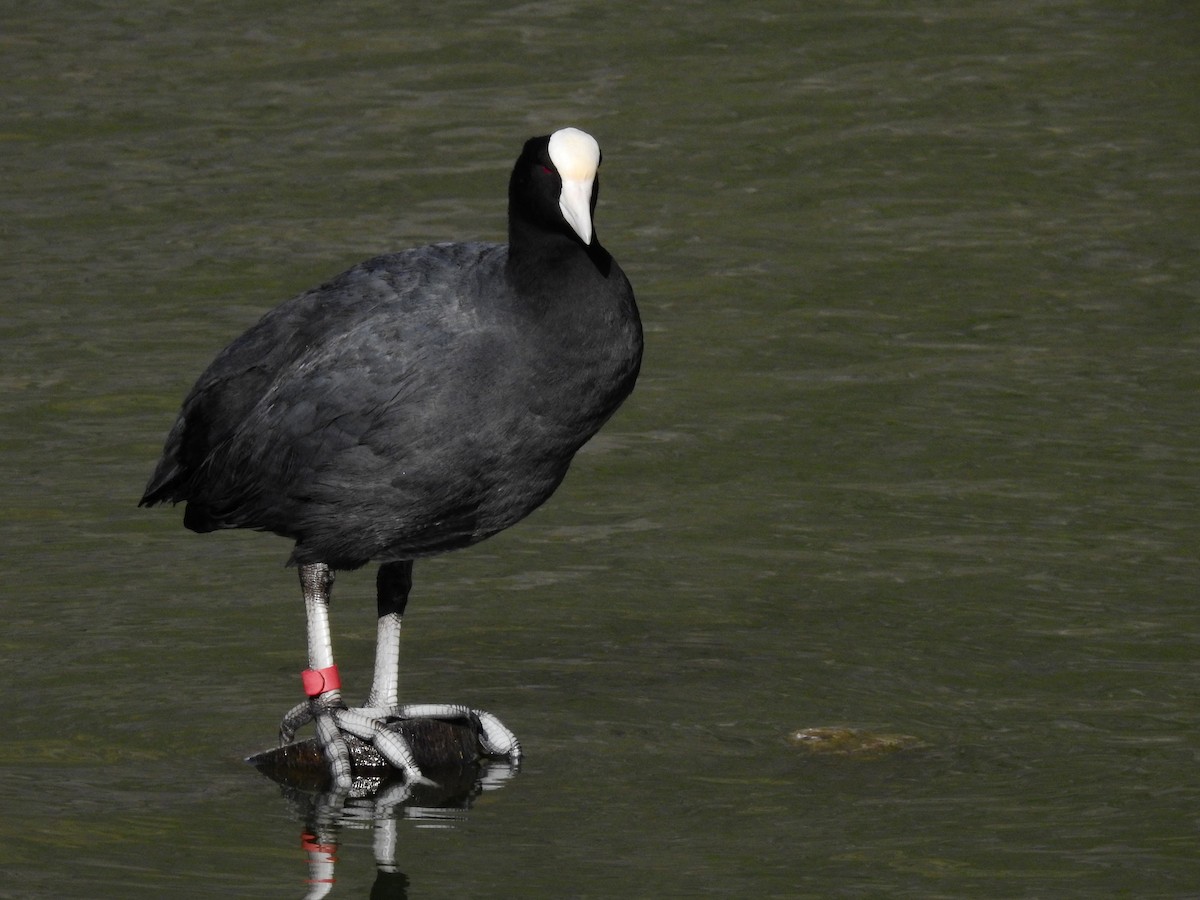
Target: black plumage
x=418, y=402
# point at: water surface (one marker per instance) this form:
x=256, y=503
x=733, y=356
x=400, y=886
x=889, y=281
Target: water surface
x=914, y=450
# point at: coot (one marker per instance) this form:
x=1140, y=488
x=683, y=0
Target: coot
x=417, y=403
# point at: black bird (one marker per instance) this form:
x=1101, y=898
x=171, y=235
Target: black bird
x=420, y=402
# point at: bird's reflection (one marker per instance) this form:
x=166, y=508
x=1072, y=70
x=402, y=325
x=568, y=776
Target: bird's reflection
x=378, y=799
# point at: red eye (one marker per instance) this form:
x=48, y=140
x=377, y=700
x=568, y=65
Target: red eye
x=547, y=170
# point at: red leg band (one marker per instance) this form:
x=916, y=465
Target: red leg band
x=320, y=681
x=310, y=843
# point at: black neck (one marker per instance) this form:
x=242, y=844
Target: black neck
x=539, y=261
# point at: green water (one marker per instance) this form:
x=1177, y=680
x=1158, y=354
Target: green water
x=914, y=451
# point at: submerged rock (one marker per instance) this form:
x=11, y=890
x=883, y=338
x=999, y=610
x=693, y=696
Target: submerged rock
x=838, y=741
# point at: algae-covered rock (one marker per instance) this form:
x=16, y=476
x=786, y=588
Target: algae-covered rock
x=853, y=742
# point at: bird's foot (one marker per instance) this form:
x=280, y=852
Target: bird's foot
x=495, y=738
x=373, y=724
x=334, y=720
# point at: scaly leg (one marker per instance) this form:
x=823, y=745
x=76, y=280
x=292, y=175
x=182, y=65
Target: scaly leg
x=392, y=585
x=372, y=721
x=325, y=706
x=321, y=682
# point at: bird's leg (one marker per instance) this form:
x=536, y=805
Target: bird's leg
x=316, y=583
x=370, y=723
x=321, y=681
x=325, y=706
x=373, y=722
x=392, y=585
